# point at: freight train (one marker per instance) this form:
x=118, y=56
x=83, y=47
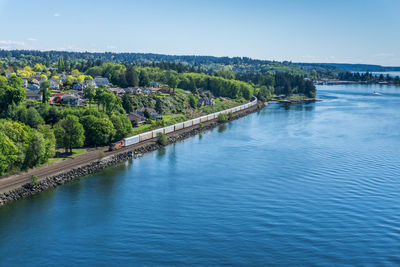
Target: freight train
x=128, y=141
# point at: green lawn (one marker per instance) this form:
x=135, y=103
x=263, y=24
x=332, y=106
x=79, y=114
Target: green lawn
x=75, y=152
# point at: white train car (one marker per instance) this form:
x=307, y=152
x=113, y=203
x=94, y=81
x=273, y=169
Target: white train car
x=188, y=124
x=169, y=129
x=145, y=136
x=203, y=119
x=131, y=140
x=157, y=131
x=178, y=126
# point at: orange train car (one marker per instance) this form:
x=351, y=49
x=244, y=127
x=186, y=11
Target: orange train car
x=116, y=145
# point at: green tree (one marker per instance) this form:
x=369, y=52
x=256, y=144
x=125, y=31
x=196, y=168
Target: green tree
x=192, y=101
x=8, y=153
x=146, y=114
x=162, y=139
x=264, y=93
x=108, y=100
x=127, y=103
x=222, y=117
x=53, y=116
x=172, y=81
x=158, y=106
x=132, y=77
x=49, y=139
x=144, y=79
x=69, y=133
x=89, y=93
x=98, y=131
x=61, y=65
x=44, y=89
x=11, y=92
x=32, y=118
x=122, y=125
x=36, y=152
x=15, y=81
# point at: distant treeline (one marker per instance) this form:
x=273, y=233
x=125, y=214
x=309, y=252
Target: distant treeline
x=52, y=56
x=281, y=83
x=368, y=77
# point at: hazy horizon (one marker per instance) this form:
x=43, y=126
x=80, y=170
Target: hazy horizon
x=353, y=32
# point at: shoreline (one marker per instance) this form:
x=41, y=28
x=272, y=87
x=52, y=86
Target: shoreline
x=25, y=189
x=55, y=179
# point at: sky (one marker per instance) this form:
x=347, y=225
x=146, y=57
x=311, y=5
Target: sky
x=351, y=31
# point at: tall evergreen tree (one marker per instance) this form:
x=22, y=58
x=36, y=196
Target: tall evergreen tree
x=144, y=78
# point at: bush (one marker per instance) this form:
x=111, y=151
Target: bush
x=201, y=125
x=230, y=115
x=222, y=117
x=35, y=179
x=162, y=139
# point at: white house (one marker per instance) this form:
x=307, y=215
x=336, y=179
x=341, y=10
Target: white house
x=101, y=81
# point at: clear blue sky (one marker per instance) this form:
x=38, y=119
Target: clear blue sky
x=352, y=31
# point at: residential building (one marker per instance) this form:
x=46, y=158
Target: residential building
x=33, y=95
x=136, y=119
x=117, y=91
x=54, y=84
x=101, y=81
x=72, y=100
x=78, y=86
x=33, y=87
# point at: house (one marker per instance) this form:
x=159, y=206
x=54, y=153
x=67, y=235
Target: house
x=56, y=98
x=117, y=91
x=153, y=114
x=129, y=90
x=54, y=84
x=146, y=91
x=101, y=81
x=33, y=95
x=78, y=86
x=206, y=101
x=136, y=119
x=89, y=83
x=33, y=87
x=72, y=100
x=167, y=90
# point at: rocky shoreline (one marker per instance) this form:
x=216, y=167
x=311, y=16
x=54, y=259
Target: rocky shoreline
x=53, y=181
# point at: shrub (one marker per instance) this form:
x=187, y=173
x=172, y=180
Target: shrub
x=35, y=179
x=201, y=125
x=162, y=139
x=230, y=115
x=222, y=117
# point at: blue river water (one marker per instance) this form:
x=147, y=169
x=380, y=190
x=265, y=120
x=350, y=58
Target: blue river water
x=305, y=184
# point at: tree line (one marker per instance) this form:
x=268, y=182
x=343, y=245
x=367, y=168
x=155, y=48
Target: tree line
x=368, y=77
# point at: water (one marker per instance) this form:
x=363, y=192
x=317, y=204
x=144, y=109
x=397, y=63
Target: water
x=296, y=185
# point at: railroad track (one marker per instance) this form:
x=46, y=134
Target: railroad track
x=17, y=180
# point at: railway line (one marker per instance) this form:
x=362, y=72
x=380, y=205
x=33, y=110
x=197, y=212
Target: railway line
x=17, y=180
